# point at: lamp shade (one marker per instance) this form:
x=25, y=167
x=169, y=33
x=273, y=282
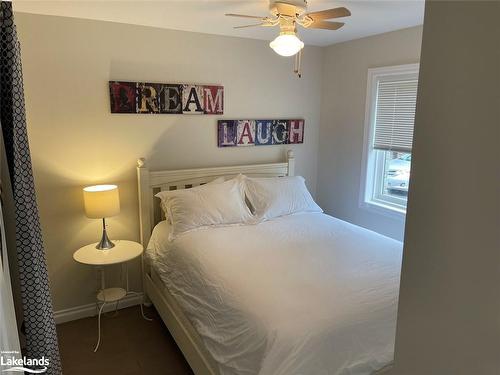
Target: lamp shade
x=101, y=201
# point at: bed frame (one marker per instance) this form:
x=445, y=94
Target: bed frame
x=150, y=213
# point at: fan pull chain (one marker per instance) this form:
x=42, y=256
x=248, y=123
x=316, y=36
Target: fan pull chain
x=298, y=59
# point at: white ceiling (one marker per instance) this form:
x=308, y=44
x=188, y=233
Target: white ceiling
x=207, y=16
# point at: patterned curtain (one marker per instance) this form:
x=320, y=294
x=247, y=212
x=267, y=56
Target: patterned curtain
x=41, y=338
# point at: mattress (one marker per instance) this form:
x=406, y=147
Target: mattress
x=300, y=294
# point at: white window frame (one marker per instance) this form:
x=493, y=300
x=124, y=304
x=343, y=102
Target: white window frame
x=369, y=160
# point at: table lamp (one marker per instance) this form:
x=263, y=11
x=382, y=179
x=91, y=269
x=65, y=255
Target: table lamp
x=102, y=201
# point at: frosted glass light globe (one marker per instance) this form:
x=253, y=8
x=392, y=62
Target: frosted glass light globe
x=286, y=44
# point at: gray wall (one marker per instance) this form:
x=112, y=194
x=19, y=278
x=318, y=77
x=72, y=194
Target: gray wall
x=345, y=70
x=75, y=141
x=449, y=312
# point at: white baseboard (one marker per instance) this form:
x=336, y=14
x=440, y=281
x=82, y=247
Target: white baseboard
x=84, y=311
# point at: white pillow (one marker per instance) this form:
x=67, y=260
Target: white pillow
x=278, y=196
x=218, y=180
x=207, y=205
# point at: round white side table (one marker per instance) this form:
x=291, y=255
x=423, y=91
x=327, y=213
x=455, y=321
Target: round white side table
x=123, y=252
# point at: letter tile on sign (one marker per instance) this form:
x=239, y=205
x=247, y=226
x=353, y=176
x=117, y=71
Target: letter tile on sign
x=280, y=132
x=295, y=131
x=213, y=99
x=263, y=132
x=192, y=99
x=122, y=97
x=245, y=133
x=147, y=97
x=226, y=133
x=170, y=98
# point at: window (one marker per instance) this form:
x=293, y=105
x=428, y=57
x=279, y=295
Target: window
x=390, y=116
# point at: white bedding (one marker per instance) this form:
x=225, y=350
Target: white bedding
x=300, y=294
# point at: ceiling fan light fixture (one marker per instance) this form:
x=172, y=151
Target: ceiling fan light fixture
x=286, y=44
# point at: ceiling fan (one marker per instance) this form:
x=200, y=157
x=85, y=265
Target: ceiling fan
x=287, y=14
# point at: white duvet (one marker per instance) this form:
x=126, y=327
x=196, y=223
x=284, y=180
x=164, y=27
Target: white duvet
x=300, y=294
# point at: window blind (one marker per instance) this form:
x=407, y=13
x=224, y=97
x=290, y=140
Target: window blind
x=395, y=115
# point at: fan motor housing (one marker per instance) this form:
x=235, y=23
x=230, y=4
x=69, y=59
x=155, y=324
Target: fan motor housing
x=288, y=7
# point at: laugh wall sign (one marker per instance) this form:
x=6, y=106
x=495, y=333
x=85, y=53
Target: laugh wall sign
x=166, y=98
x=234, y=133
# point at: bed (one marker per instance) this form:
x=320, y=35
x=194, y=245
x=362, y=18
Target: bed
x=302, y=294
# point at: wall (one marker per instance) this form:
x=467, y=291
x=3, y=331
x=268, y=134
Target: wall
x=345, y=72
x=75, y=141
x=448, y=321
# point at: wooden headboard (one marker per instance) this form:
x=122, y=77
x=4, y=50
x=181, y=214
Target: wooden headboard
x=152, y=182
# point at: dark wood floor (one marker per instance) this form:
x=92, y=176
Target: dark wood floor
x=130, y=345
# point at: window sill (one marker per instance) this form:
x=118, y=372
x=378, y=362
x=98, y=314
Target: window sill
x=384, y=209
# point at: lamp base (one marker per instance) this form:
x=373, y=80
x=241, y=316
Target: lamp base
x=105, y=243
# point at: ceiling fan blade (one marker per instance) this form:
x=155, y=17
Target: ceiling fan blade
x=330, y=13
x=326, y=25
x=252, y=25
x=244, y=16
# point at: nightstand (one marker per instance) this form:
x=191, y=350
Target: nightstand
x=123, y=252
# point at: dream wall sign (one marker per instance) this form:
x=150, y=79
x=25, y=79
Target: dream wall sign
x=233, y=133
x=166, y=98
